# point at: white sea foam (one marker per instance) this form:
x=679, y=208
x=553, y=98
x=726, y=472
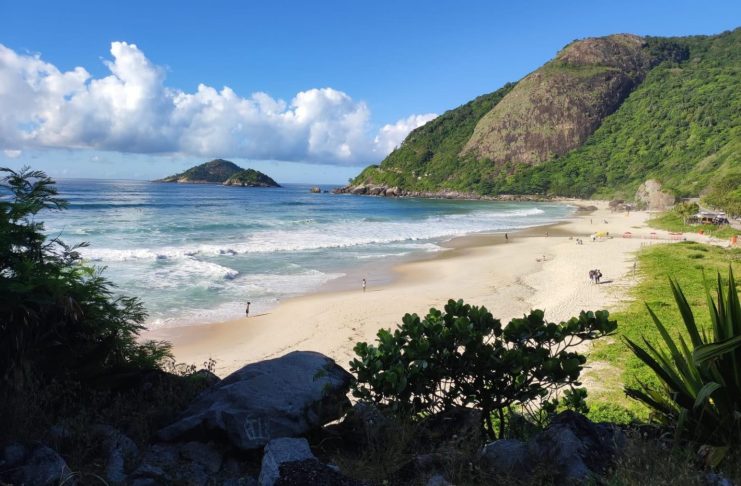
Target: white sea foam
x=335, y=235
x=263, y=290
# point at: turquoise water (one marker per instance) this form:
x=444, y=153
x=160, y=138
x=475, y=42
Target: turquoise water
x=197, y=253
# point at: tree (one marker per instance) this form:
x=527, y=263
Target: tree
x=685, y=210
x=464, y=357
x=58, y=317
x=725, y=194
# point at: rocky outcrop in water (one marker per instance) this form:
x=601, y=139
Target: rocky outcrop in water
x=385, y=191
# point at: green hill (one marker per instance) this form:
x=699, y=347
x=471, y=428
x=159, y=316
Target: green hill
x=600, y=118
x=220, y=171
x=251, y=178
x=214, y=172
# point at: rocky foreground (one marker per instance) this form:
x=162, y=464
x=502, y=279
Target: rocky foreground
x=267, y=424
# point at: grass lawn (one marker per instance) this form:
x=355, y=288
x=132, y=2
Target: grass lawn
x=614, y=365
x=671, y=221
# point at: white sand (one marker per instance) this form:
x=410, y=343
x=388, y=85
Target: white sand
x=508, y=278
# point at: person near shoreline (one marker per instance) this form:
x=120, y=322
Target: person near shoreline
x=506, y=236
x=247, y=310
x=364, y=283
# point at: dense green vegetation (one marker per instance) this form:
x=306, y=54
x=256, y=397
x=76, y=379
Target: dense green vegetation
x=725, y=193
x=58, y=317
x=252, y=178
x=216, y=171
x=70, y=354
x=430, y=152
x=690, y=263
x=700, y=377
x=681, y=125
x=465, y=357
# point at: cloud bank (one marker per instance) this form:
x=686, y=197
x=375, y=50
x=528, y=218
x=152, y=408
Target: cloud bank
x=133, y=111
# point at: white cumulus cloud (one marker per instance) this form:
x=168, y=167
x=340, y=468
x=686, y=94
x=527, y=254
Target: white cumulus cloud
x=390, y=136
x=133, y=111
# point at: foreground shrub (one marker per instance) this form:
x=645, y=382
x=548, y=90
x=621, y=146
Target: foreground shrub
x=464, y=357
x=701, y=392
x=59, y=318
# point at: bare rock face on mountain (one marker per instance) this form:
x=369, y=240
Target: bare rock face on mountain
x=283, y=397
x=653, y=197
x=556, y=108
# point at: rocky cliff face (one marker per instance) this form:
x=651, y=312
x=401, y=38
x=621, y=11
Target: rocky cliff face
x=556, y=108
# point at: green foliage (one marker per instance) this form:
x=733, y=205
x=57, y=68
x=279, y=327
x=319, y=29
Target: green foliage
x=464, y=356
x=685, y=210
x=724, y=193
x=701, y=376
x=58, y=317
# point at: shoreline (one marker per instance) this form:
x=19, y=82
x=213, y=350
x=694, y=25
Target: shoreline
x=508, y=277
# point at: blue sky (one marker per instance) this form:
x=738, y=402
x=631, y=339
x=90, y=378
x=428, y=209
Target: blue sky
x=386, y=67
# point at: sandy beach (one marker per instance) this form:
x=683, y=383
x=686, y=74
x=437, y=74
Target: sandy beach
x=509, y=277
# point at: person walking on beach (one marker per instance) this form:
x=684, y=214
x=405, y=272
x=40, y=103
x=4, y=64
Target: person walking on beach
x=506, y=236
x=247, y=310
x=364, y=285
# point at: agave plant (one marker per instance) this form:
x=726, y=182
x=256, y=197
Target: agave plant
x=701, y=386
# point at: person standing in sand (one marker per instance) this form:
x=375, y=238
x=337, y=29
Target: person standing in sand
x=247, y=310
x=363, y=285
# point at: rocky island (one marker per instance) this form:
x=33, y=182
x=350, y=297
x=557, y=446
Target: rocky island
x=250, y=178
x=220, y=171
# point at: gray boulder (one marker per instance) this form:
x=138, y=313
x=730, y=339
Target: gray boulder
x=282, y=397
x=438, y=480
x=572, y=449
x=314, y=473
x=577, y=448
x=507, y=456
x=278, y=452
x=38, y=465
x=120, y=452
x=652, y=195
x=191, y=463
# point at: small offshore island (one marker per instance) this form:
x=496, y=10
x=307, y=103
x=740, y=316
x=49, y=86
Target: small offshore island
x=220, y=171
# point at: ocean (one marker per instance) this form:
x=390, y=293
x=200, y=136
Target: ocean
x=196, y=253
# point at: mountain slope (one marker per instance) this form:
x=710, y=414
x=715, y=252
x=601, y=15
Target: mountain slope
x=556, y=108
x=430, y=152
x=602, y=117
x=682, y=126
